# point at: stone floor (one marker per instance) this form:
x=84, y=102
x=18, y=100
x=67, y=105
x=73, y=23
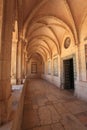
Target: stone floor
x=48, y=108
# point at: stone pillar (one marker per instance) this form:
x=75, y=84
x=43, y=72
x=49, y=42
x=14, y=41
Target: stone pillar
x=25, y=68
x=13, y=62
x=5, y=58
x=79, y=77
x=1, y=20
x=14, y=54
x=19, y=62
x=23, y=61
x=24, y=64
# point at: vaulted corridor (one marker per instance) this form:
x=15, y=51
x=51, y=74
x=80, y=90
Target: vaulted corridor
x=43, y=65
x=48, y=108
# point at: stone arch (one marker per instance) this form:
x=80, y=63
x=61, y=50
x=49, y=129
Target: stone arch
x=58, y=22
x=40, y=50
x=82, y=30
x=33, y=44
x=32, y=14
x=44, y=37
x=43, y=58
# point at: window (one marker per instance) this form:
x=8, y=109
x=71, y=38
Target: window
x=55, y=66
x=49, y=67
x=33, y=68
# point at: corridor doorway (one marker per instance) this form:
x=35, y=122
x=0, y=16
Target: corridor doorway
x=68, y=74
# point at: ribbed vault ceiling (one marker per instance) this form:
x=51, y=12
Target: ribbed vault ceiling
x=48, y=22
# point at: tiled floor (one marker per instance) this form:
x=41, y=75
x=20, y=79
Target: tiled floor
x=48, y=108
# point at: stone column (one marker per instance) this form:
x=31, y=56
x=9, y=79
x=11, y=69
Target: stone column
x=13, y=62
x=19, y=62
x=26, y=63
x=23, y=61
x=27, y=68
x=5, y=58
x=79, y=77
x=14, y=54
x=1, y=20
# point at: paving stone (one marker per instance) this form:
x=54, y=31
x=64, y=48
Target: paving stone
x=82, y=117
x=45, y=115
x=43, y=128
x=51, y=98
x=57, y=126
x=60, y=108
x=71, y=123
x=34, y=102
x=48, y=108
x=42, y=101
x=75, y=108
x=55, y=117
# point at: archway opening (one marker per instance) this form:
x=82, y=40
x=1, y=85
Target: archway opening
x=35, y=66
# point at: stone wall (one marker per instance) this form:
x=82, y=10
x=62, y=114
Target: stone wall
x=79, y=63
